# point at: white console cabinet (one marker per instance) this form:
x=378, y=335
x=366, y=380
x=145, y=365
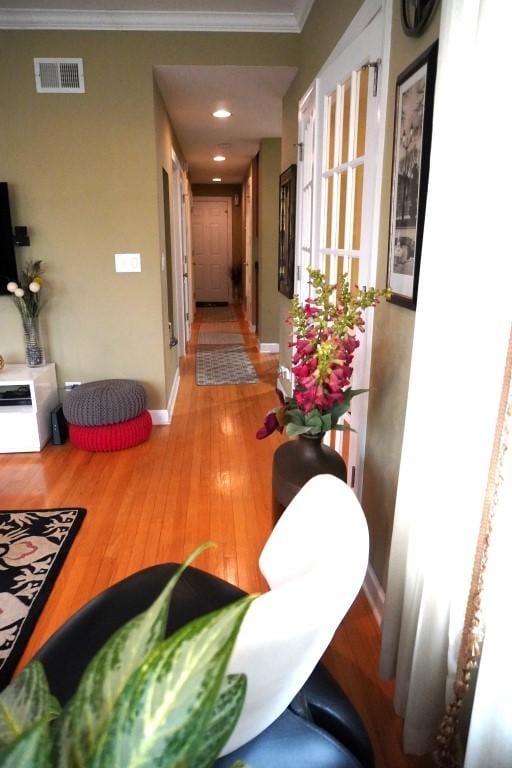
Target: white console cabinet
x=26, y=428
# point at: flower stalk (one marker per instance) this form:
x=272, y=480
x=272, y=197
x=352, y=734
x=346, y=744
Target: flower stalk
x=325, y=328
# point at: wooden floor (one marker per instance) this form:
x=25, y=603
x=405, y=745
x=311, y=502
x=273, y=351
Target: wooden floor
x=203, y=477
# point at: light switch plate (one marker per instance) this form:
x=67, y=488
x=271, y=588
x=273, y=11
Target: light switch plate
x=127, y=262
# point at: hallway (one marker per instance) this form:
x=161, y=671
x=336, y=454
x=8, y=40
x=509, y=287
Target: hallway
x=203, y=477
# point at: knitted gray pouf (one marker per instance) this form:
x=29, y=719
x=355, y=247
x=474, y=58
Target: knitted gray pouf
x=98, y=403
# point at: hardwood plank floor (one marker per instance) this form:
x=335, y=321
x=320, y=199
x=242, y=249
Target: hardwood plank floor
x=203, y=477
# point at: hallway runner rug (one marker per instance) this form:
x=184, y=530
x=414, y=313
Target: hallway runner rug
x=33, y=546
x=219, y=337
x=224, y=365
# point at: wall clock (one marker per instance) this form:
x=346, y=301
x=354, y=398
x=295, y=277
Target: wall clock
x=416, y=15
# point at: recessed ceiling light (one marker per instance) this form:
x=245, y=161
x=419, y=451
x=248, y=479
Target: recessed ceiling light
x=219, y=158
x=216, y=178
x=221, y=113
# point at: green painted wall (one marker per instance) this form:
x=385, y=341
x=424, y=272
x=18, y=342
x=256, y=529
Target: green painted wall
x=85, y=176
x=269, y=168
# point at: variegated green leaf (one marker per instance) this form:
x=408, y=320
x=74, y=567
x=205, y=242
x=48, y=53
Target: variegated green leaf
x=30, y=750
x=223, y=719
x=24, y=702
x=107, y=674
x=163, y=712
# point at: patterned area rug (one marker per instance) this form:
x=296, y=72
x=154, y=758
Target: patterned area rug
x=33, y=546
x=224, y=365
x=219, y=337
x=216, y=314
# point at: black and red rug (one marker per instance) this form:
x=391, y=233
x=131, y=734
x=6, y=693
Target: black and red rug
x=33, y=546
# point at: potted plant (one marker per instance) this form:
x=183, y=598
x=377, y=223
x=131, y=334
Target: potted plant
x=27, y=299
x=143, y=699
x=325, y=328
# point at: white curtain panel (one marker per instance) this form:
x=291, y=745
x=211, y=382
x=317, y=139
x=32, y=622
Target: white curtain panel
x=461, y=333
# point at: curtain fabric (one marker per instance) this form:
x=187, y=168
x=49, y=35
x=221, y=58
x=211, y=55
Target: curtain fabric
x=460, y=341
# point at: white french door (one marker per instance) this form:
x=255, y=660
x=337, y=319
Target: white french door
x=336, y=230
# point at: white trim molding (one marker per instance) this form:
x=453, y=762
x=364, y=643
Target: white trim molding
x=164, y=21
x=268, y=347
x=375, y=594
x=164, y=415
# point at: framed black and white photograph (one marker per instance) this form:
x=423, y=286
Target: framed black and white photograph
x=287, y=201
x=411, y=159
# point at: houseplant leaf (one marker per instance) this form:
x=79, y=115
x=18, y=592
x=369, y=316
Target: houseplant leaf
x=223, y=719
x=296, y=429
x=106, y=675
x=30, y=750
x=165, y=708
x=24, y=702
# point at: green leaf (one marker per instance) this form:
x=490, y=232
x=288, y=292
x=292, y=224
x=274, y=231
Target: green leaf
x=296, y=429
x=355, y=392
x=88, y=713
x=343, y=428
x=24, y=702
x=326, y=422
x=226, y=712
x=313, y=419
x=296, y=416
x=30, y=750
x=165, y=708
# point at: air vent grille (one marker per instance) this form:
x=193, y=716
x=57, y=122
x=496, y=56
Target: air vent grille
x=59, y=75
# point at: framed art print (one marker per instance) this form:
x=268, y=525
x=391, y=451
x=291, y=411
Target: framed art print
x=411, y=159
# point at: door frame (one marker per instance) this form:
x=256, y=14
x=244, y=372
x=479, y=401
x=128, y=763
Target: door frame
x=229, y=201
x=363, y=18
x=178, y=252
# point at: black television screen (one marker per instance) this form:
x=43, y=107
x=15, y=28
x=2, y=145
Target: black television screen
x=8, y=269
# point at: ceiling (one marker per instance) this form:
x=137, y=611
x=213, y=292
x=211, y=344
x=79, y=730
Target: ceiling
x=195, y=15
x=252, y=94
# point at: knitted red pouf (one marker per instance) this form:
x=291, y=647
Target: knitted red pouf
x=112, y=437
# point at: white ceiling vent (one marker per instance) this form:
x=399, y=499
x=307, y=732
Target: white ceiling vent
x=59, y=75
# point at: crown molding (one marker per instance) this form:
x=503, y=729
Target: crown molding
x=152, y=21
x=301, y=14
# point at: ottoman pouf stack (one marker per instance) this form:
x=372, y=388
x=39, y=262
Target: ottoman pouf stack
x=107, y=415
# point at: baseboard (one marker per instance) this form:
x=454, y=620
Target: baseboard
x=159, y=417
x=268, y=347
x=375, y=594
x=174, y=394
x=164, y=415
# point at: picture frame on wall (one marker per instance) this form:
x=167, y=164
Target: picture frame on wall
x=414, y=105
x=286, y=257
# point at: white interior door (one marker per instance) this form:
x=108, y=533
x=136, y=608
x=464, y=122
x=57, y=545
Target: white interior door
x=249, y=266
x=305, y=192
x=179, y=256
x=211, y=240
x=347, y=109
x=186, y=254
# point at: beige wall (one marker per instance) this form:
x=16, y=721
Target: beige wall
x=84, y=177
x=269, y=168
x=392, y=343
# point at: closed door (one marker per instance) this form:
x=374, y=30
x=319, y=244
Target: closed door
x=210, y=248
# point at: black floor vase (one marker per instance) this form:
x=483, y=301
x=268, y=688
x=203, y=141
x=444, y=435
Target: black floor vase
x=296, y=462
